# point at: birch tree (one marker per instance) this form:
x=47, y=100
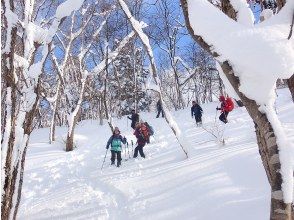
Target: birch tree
x=26, y=40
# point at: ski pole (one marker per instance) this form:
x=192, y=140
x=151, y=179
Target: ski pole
x=125, y=152
x=132, y=147
x=104, y=159
x=128, y=149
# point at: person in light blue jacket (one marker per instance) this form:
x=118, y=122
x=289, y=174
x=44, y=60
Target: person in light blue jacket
x=115, y=141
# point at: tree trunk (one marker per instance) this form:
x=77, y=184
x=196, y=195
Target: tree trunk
x=9, y=131
x=70, y=137
x=290, y=82
x=28, y=128
x=100, y=104
x=75, y=114
x=266, y=138
x=269, y=152
x=54, y=114
x=10, y=174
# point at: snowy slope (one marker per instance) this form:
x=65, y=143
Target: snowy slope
x=217, y=182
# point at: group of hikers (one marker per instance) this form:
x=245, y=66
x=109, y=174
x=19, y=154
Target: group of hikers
x=227, y=105
x=143, y=131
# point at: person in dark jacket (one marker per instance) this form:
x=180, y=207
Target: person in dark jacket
x=159, y=109
x=135, y=118
x=196, y=110
x=224, y=109
x=140, y=140
x=115, y=141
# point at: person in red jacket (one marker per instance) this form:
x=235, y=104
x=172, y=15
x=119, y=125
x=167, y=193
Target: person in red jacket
x=227, y=105
x=140, y=140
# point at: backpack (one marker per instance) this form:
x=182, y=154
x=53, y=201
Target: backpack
x=150, y=128
x=230, y=104
x=145, y=132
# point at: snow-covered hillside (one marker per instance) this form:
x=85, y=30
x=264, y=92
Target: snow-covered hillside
x=223, y=182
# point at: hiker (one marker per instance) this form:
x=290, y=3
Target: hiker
x=227, y=105
x=159, y=109
x=141, y=139
x=150, y=129
x=135, y=118
x=115, y=141
x=196, y=110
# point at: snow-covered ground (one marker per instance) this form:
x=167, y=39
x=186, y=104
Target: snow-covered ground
x=224, y=182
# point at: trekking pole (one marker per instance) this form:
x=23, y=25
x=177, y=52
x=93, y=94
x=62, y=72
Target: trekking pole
x=125, y=152
x=128, y=149
x=132, y=147
x=104, y=158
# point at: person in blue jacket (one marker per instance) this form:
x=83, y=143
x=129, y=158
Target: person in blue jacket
x=115, y=141
x=196, y=110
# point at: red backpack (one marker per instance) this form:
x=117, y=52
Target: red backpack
x=229, y=104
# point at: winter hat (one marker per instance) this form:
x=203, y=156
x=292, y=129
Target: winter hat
x=222, y=98
x=116, y=129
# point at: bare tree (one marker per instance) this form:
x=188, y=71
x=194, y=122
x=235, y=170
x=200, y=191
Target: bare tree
x=137, y=27
x=22, y=71
x=168, y=32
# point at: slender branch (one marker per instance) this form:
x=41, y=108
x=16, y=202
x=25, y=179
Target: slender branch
x=291, y=28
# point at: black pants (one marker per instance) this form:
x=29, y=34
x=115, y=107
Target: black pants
x=133, y=124
x=113, y=156
x=223, y=117
x=140, y=149
x=160, y=110
x=198, y=118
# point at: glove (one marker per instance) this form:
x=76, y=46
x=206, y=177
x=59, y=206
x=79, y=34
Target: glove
x=217, y=108
x=107, y=147
x=124, y=139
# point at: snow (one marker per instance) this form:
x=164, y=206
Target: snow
x=19, y=62
x=266, y=14
x=228, y=87
x=217, y=180
x=34, y=33
x=67, y=7
x=244, y=13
